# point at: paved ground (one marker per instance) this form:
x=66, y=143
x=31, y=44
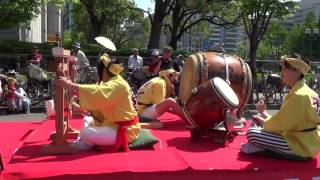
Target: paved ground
x=33, y=117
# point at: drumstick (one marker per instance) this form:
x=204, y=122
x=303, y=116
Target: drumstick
x=257, y=122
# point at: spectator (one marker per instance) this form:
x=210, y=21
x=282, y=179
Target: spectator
x=155, y=58
x=164, y=62
x=135, y=61
x=83, y=65
x=10, y=95
x=23, y=102
x=36, y=57
x=178, y=63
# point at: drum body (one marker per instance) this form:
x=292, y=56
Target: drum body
x=201, y=67
x=139, y=74
x=205, y=108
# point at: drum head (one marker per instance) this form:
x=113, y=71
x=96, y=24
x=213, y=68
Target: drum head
x=225, y=91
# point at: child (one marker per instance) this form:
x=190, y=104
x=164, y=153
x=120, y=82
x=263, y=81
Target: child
x=23, y=102
x=10, y=95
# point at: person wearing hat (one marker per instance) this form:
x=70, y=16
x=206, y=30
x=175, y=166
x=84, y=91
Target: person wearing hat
x=155, y=58
x=164, y=62
x=154, y=96
x=113, y=120
x=83, y=65
x=294, y=129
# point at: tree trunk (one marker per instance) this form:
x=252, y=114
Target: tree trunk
x=160, y=12
x=95, y=22
x=174, y=37
x=155, y=34
x=253, y=66
x=95, y=28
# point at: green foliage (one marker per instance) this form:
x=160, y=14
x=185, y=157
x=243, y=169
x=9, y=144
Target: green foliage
x=274, y=40
x=118, y=20
x=263, y=51
x=299, y=42
x=311, y=20
x=67, y=38
x=18, y=12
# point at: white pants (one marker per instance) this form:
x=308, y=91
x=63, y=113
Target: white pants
x=150, y=112
x=91, y=135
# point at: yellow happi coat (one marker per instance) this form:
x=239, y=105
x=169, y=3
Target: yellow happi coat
x=110, y=102
x=299, y=112
x=152, y=92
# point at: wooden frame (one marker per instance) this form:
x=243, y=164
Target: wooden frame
x=59, y=144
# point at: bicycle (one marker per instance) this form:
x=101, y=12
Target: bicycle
x=314, y=82
x=274, y=86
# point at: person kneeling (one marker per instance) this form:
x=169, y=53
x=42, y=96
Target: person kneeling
x=154, y=96
x=113, y=120
x=293, y=132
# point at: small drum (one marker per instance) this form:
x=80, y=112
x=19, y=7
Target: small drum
x=203, y=66
x=139, y=74
x=206, y=106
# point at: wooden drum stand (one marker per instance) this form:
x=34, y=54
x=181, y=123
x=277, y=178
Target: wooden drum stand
x=220, y=136
x=59, y=144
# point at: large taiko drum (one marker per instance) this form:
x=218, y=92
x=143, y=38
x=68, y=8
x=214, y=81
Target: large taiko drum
x=207, y=104
x=203, y=66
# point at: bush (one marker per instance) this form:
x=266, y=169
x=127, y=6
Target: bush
x=18, y=47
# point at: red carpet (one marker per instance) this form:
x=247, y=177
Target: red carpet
x=12, y=136
x=173, y=157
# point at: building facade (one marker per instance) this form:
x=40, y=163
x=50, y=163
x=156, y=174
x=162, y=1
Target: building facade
x=48, y=22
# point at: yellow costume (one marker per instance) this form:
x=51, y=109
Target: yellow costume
x=297, y=121
x=152, y=92
x=110, y=102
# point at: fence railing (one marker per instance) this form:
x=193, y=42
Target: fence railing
x=18, y=62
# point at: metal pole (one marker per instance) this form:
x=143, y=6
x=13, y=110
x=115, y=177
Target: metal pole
x=310, y=48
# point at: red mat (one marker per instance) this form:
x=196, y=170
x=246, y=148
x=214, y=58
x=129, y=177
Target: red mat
x=12, y=136
x=174, y=155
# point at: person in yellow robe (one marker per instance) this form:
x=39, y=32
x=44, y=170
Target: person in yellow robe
x=294, y=129
x=154, y=96
x=113, y=119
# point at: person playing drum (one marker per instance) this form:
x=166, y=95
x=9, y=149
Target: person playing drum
x=113, y=119
x=294, y=129
x=154, y=96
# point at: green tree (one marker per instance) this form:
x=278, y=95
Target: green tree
x=302, y=43
x=18, y=12
x=256, y=16
x=119, y=20
x=188, y=13
x=162, y=8
x=275, y=39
